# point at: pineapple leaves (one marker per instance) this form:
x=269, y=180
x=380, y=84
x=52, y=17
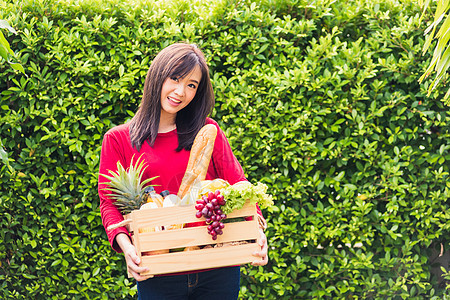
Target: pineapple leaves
x=126, y=185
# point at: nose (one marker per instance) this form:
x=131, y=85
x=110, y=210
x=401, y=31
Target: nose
x=179, y=90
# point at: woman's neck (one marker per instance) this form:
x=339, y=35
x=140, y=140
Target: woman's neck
x=166, y=123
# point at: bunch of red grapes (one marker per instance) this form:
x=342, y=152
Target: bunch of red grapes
x=210, y=208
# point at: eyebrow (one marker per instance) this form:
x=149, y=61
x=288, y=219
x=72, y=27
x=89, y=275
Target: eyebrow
x=193, y=80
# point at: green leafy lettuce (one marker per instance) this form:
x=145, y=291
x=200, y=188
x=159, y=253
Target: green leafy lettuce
x=236, y=195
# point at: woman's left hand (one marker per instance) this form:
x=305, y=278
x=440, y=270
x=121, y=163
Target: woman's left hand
x=262, y=255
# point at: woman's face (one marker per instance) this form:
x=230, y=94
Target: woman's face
x=177, y=93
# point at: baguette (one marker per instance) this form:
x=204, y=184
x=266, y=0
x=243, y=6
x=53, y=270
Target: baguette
x=199, y=159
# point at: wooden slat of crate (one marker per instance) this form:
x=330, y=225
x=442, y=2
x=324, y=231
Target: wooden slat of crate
x=197, y=236
x=176, y=215
x=199, y=259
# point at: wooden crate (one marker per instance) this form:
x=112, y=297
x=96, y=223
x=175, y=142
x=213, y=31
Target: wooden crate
x=238, y=231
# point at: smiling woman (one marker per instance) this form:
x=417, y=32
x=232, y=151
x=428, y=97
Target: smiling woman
x=179, y=65
x=176, y=102
x=176, y=94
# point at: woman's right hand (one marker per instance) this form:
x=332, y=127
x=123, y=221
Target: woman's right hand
x=131, y=257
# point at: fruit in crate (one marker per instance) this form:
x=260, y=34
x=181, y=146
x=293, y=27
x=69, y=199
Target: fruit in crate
x=127, y=189
x=202, y=188
x=212, y=186
x=209, y=207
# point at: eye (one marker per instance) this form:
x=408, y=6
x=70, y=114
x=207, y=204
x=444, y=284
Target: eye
x=191, y=85
x=174, y=78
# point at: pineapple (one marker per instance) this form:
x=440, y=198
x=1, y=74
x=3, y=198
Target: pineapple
x=126, y=186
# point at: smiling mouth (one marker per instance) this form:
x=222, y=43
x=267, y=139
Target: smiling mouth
x=174, y=100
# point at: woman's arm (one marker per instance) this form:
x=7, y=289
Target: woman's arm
x=109, y=157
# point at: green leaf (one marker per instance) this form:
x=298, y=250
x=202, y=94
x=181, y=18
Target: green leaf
x=4, y=24
x=18, y=67
x=4, y=156
x=121, y=70
x=340, y=176
x=5, y=49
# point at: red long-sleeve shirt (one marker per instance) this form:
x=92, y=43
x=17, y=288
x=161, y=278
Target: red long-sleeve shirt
x=161, y=160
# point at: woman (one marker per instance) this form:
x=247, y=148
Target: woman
x=177, y=99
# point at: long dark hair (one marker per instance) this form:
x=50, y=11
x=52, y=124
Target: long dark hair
x=176, y=60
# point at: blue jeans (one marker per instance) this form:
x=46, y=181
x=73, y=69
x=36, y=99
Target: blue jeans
x=219, y=284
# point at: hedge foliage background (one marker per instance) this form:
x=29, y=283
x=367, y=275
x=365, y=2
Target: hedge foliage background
x=319, y=100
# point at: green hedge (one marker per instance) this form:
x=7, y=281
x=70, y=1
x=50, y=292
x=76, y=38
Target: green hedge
x=319, y=100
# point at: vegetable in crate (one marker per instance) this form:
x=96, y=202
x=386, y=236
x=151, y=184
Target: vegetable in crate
x=126, y=187
x=237, y=194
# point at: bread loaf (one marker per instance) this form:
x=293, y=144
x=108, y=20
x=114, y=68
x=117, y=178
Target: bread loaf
x=199, y=158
